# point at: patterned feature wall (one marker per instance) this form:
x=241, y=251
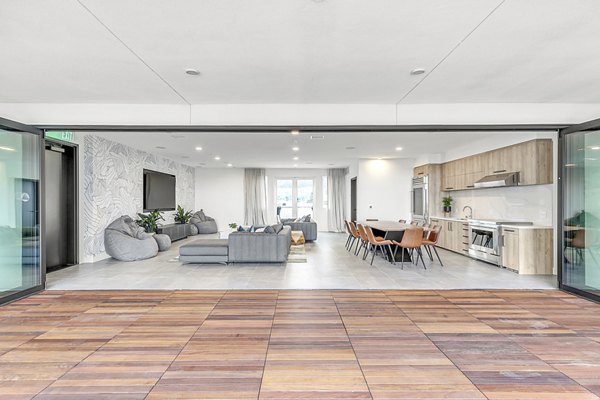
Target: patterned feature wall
x=113, y=186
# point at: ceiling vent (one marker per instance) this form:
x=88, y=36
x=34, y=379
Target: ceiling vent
x=317, y=137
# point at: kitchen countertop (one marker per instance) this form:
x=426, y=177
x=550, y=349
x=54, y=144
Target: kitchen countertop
x=506, y=226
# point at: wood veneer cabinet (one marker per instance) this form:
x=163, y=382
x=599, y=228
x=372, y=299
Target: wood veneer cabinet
x=528, y=250
x=532, y=159
x=454, y=235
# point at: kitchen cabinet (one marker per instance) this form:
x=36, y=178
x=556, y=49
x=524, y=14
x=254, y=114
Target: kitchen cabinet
x=532, y=159
x=528, y=250
x=454, y=235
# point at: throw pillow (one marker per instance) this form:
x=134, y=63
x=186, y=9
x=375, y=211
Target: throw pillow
x=277, y=228
x=246, y=229
x=259, y=230
x=269, y=229
x=306, y=218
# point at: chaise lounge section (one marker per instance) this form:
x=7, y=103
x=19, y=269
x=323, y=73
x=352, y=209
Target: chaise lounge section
x=308, y=228
x=254, y=247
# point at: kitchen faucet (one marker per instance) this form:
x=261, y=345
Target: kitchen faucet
x=470, y=216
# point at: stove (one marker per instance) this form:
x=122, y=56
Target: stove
x=485, y=238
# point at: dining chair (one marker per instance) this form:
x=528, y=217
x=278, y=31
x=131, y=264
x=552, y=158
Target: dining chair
x=414, y=223
x=411, y=239
x=351, y=237
x=376, y=243
x=355, y=234
x=430, y=243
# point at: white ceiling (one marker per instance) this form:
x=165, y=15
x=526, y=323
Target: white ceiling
x=299, y=51
x=274, y=150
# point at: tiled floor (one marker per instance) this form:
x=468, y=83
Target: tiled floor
x=300, y=345
x=329, y=266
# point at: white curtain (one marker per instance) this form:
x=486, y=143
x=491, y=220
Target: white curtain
x=255, y=196
x=336, y=198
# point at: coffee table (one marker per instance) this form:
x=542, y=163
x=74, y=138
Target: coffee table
x=297, y=237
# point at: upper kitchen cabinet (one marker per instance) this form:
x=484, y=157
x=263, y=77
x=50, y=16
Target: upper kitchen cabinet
x=531, y=159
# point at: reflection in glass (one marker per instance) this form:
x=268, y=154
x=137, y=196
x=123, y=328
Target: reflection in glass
x=581, y=211
x=19, y=212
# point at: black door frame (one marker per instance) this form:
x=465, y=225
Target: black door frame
x=592, y=125
x=11, y=125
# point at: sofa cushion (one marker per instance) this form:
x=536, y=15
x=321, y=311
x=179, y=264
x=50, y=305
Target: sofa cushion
x=205, y=247
x=278, y=228
x=269, y=229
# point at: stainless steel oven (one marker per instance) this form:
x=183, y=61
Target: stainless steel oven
x=419, y=199
x=484, y=241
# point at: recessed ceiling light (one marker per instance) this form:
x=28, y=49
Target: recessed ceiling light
x=295, y=158
x=350, y=148
x=569, y=165
x=217, y=158
x=161, y=147
x=590, y=159
x=379, y=158
x=595, y=147
x=230, y=165
x=295, y=132
x=192, y=71
x=198, y=148
x=417, y=71
x=295, y=148
x=7, y=148
x=398, y=148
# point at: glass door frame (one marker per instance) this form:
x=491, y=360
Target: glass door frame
x=18, y=127
x=294, y=205
x=593, y=125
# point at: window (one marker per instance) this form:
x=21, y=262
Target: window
x=295, y=197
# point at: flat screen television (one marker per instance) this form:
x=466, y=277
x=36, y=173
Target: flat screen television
x=159, y=191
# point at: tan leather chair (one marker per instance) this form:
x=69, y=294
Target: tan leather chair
x=362, y=231
x=414, y=223
x=375, y=243
x=355, y=235
x=351, y=237
x=411, y=239
x=431, y=242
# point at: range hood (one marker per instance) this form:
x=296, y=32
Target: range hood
x=498, y=180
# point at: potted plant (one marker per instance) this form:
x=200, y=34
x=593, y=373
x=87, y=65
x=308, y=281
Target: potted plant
x=182, y=216
x=233, y=226
x=447, y=203
x=149, y=221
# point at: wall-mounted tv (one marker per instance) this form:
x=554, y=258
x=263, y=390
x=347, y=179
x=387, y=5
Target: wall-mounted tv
x=159, y=191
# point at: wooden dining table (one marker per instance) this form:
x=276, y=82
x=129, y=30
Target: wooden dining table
x=390, y=230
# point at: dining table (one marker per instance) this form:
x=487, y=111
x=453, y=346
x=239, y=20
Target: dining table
x=391, y=230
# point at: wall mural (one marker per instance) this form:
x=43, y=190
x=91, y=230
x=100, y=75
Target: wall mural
x=113, y=186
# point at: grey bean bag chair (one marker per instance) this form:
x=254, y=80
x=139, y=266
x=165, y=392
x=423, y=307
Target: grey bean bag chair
x=204, y=223
x=126, y=241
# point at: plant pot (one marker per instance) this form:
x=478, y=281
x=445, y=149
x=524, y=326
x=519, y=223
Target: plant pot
x=447, y=209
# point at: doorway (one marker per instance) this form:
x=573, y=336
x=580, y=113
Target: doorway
x=353, y=183
x=60, y=202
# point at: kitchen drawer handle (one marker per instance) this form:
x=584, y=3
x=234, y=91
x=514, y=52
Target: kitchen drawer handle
x=449, y=188
x=421, y=173
x=470, y=186
x=465, y=243
x=509, y=230
x=466, y=237
x=500, y=170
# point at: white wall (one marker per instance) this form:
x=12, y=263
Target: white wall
x=220, y=193
x=384, y=189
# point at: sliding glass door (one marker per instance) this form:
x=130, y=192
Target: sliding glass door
x=295, y=197
x=580, y=216
x=20, y=239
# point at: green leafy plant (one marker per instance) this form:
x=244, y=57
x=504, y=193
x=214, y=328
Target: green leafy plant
x=233, y=225
x=182, y=216
x=149, y=221
x=447, y=201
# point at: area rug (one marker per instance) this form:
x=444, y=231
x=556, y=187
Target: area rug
x=297, y=254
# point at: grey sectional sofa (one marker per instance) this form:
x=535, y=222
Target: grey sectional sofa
x=253, y=247
x=308, y=228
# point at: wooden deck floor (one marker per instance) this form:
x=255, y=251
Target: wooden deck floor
x=300, y=345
